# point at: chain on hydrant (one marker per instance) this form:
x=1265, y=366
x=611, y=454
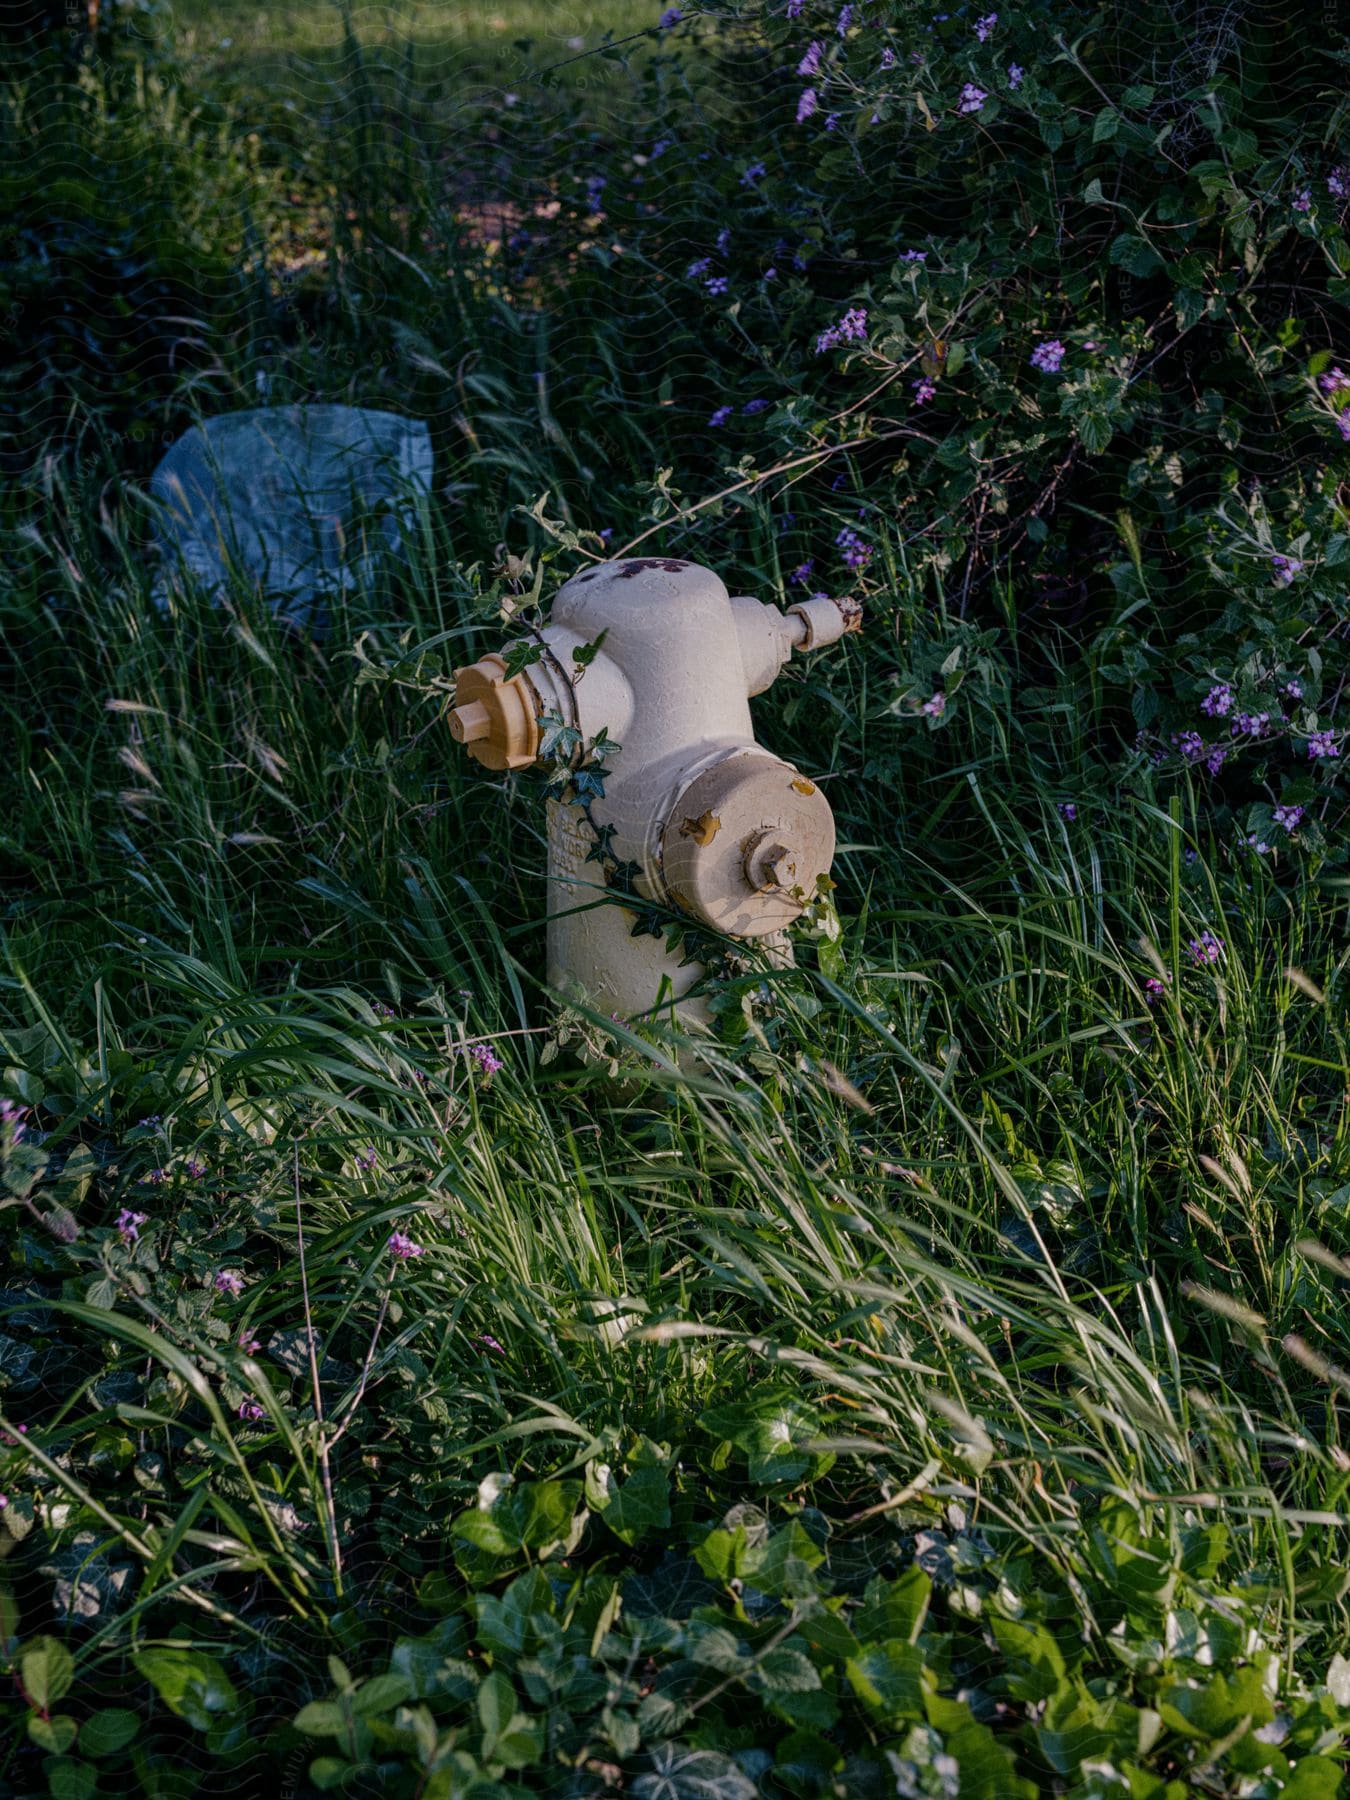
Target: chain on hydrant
x=711, y=822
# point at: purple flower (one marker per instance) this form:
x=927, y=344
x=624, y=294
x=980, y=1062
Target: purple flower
x=1154, y=990
x=802, y=573
x=888, y=58
x=1285, y=569
x=368, y=1157
x=717, y=284
x=810, y=63
x=401, y=1246
x=756, y=406
x=490, y=1343
x=1067, y=810
x=660, y=147
x=670, y=17
x=129, y=1224
x=723, y=240
x=806, y=105
x=1288, y=816
x=1191, y=745
x=1015, y=74
x=1261, y=847
x=924, y=389
x=249, y=1409
x=1294, y=688
x=1338, y=182
x=794, y=8
x=844, y=21
x=1343, y=423
x=699, y=266
x=831, y=121
x=155, y=1178
x=1251, y=724
x=754, y=173
x=249, y=1345
x=857, y=551
x=934, y=706
x=1302, y=200
x=486, y=1058
x=12, y=1116
x=984, y=27
x=1218, y=701
x=1206, y=948
x=1333, y=381
x=770, y=274
x=228, y=1281
x=851, y=328
x=972, y=98
x=1214, y=761
x=595, y=187
x=194, y=1168
x=721, y=416
x=1047, y=357
x=1323, y=743
x=915, y=256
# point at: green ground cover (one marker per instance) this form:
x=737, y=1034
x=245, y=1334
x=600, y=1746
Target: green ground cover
x=939, y=1394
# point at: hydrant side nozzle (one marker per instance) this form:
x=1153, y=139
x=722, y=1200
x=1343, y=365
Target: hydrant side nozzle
x=495, y=719
x=821, y=622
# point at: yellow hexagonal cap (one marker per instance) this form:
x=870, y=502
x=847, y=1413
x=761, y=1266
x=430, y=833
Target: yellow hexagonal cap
x=495, y=718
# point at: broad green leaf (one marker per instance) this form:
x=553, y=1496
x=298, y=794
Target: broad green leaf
x=47, y=1670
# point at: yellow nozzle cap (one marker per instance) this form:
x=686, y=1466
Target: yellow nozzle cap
x=495, y=719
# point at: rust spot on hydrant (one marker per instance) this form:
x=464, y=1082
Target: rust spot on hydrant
x=672, y=566
x=703, y=830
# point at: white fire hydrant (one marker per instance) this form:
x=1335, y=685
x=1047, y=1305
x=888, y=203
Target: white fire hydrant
x=708, y=821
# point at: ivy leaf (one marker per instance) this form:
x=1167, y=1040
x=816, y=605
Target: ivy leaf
x=681, y=1774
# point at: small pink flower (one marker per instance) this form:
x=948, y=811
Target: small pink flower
x=401, y=1246
x=490, y=1343
x=129, y=1224
x=228, y=1281
x=934, y=706
x=250, y=1409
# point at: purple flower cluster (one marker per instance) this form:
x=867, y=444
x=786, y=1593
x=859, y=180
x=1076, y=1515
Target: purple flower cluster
x=486, y=1058
x=1285, y=568
x=984, y=27
x=721, y=416
x=1048, y=357
x=129, y=1224
x=756, y=172
x=924, y=389
x=1288, y=816
x=1191, y=745
x=806, y=105
x=934, y=706
x=1154, y=990
x=844, y=20
x=1338, y=182
x=1333, y=381
x=852, y=328
x=250, y=1410
x=1323, y=743
x=857, y=551
x=228, y=1281
x=1218, y=701
x=972, y=98
x=810, y=63
x=1067, y=810
x=1015, y=74
x=1206, y=948
x=401, y=1246
x=915, y=256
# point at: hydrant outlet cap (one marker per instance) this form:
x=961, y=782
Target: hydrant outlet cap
x=746, y=844
x=495, y=719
